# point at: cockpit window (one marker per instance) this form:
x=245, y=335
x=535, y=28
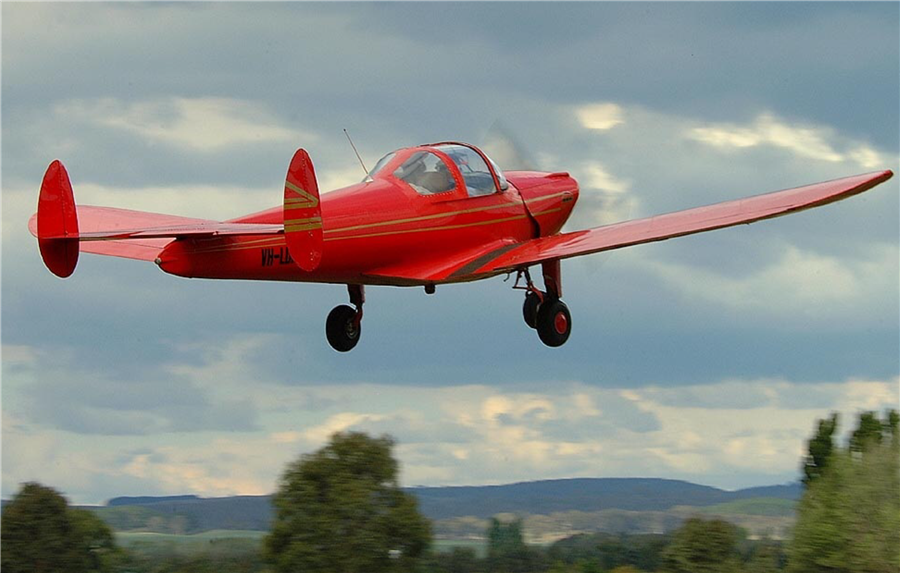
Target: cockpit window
x=426, y=173
x=379, y=166
x=475, y=171
x=504, y=184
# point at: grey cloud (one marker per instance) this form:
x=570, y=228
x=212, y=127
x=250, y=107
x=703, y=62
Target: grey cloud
x=740, y=395
x=818, y=396
x=410, y=430
x=88, y=402
x=628, y=327
x=617, y=414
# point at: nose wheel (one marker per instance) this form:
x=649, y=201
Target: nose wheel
x=344, y=323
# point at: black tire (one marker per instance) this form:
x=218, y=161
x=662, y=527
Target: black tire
x=554, y=323
x=530, y=309
x=340, y=330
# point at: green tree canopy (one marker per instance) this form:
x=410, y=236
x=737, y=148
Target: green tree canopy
x=819, y=447
x=341, y=510
x=871, y=431
x=42, y=534
x=507, y=552
x=701, y=546
x=848, y=520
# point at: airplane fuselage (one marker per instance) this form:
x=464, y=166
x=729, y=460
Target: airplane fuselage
x=374, y=226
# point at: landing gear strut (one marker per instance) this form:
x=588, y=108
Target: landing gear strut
x=344, y=323
x=544, y=311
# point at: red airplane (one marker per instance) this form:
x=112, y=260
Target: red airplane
x=423, y=216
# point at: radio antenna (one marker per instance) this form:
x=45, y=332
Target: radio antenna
x=355, y=151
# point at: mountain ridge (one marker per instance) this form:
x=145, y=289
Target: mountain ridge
x=541, y=497
x=450, y=506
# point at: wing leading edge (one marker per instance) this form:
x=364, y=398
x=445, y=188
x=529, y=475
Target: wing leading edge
x=658, y=228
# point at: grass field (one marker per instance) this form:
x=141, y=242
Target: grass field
x=764, y=506
x=447, y=545
x=145, y=542
x=216, y=541
x=127, y=538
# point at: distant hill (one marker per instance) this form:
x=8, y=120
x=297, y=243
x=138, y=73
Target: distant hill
x=587, y=494
x=146, y=500
x=191, y=514
x=188, y=514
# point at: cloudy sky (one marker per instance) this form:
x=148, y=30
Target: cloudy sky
x=706, y=358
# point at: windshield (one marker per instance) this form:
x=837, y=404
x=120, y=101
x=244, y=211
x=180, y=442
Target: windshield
x=426, y=173
x=379, y=166
x=473, y=168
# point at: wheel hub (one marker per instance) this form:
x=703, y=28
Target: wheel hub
x=560, y=323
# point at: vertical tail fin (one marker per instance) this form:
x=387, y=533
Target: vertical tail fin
x=57, y=222
x=302, y=213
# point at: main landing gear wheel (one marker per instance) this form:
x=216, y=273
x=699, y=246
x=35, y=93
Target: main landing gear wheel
x=554, y=323
x=344, y=323
x=530, y=308
x=342, y=329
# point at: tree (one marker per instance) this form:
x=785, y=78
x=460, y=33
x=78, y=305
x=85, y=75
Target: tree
x=767, y=557
x=341, y=510
x=42, y=534
x=868, y=432
x=820, y=447
x=507, y=551
x=506, y=546
x=848, y=520
x=701, y=546
x=96, y=539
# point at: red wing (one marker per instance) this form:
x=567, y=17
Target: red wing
x=680, y=223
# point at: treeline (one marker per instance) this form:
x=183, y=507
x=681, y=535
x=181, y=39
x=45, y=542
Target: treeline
x=698, y=546
x=722, y=544
x=341, y=509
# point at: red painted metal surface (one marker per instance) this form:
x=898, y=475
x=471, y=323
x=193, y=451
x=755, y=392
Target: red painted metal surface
x=384, y=231
x=680, y=223
x=56, y=224
x=303, y=213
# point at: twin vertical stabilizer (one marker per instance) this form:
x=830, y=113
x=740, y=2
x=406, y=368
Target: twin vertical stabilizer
x=302, y=213
x=57, y=222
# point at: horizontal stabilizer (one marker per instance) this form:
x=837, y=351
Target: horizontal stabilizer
x=63, y=229
x=110, y=223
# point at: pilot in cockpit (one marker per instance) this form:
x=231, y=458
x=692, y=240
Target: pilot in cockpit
x=439, y=180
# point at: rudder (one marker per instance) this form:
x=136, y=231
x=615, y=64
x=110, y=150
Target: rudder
x=302, y=213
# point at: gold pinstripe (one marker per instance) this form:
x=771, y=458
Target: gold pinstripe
x=315, y=219
x=279, y=240
x=443, y=227
x=437, y=215
x=276, y=241
x=302, y=227
x=306, y=198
